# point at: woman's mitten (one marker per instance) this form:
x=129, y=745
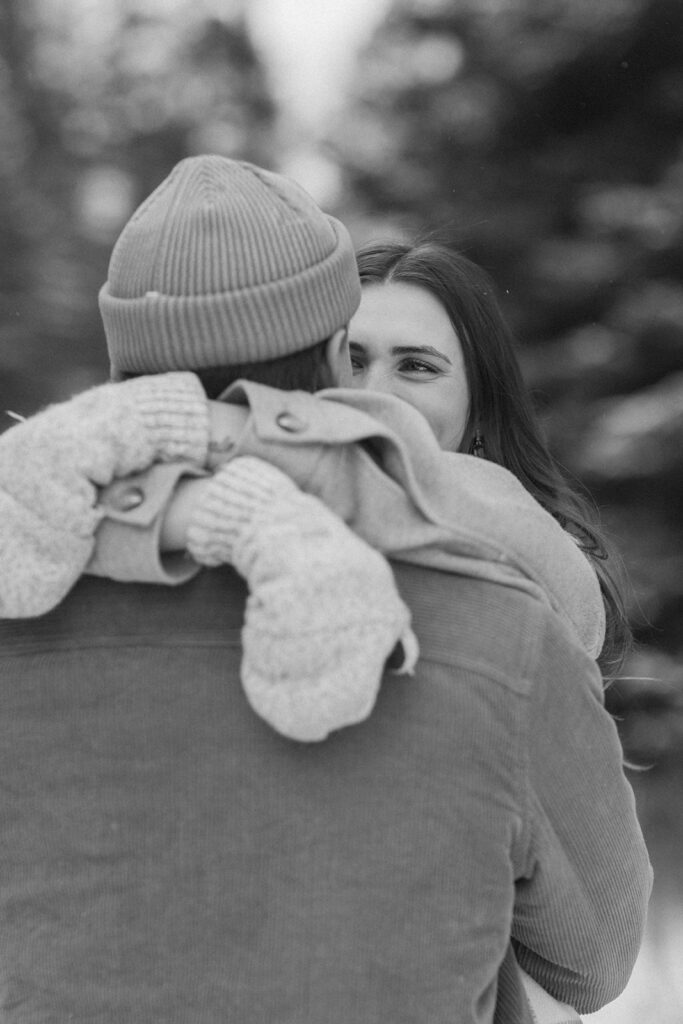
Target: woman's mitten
x=52, y=465
x=323, y=613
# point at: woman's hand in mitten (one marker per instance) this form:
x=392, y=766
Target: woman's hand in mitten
x=323, y=613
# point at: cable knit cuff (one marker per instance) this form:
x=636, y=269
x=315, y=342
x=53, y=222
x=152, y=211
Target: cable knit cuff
x=239, y=494
x=175, y=413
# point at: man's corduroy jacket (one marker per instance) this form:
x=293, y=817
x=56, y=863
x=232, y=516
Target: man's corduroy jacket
x=166, y=857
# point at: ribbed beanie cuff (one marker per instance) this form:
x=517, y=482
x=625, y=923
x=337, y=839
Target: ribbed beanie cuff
x=225, y=263
x=173, y=411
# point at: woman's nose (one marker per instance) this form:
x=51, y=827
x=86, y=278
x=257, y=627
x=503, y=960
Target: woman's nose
x=375, y=378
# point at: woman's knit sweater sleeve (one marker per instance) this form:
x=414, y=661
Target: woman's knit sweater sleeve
x=52, y=465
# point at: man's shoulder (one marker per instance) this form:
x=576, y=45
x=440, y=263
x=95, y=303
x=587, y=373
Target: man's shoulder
x=100, y=612
x=502, y=632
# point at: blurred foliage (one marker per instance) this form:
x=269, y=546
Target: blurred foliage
x=97, y=103
x=545, y=138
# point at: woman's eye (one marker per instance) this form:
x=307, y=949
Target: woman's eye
x=417, y=366
x=356, y=364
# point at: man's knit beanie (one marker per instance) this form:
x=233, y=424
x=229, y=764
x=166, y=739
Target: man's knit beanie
x=225, y=263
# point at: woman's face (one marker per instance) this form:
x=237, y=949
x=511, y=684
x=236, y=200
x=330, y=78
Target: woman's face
x=403, y=343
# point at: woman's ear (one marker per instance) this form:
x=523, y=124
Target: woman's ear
x=339, y=359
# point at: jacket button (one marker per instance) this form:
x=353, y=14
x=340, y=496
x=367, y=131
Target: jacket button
x=290, y=422
x=126, y=501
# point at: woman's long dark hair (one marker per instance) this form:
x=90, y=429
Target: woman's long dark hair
x=500, y=406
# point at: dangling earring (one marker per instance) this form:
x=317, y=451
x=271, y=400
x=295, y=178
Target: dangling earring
x=477, y=446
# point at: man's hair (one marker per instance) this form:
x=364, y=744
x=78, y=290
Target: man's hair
x=307, y=370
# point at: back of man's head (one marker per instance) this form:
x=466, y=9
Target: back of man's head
x=224, y=265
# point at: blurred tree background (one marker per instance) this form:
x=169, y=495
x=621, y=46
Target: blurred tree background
x=544, y=137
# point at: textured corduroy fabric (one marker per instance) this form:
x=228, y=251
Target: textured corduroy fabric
x=169, y=858
x=225, y=263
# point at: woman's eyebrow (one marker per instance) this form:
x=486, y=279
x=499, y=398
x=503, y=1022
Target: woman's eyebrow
x=424, y=350
x=406, y=350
